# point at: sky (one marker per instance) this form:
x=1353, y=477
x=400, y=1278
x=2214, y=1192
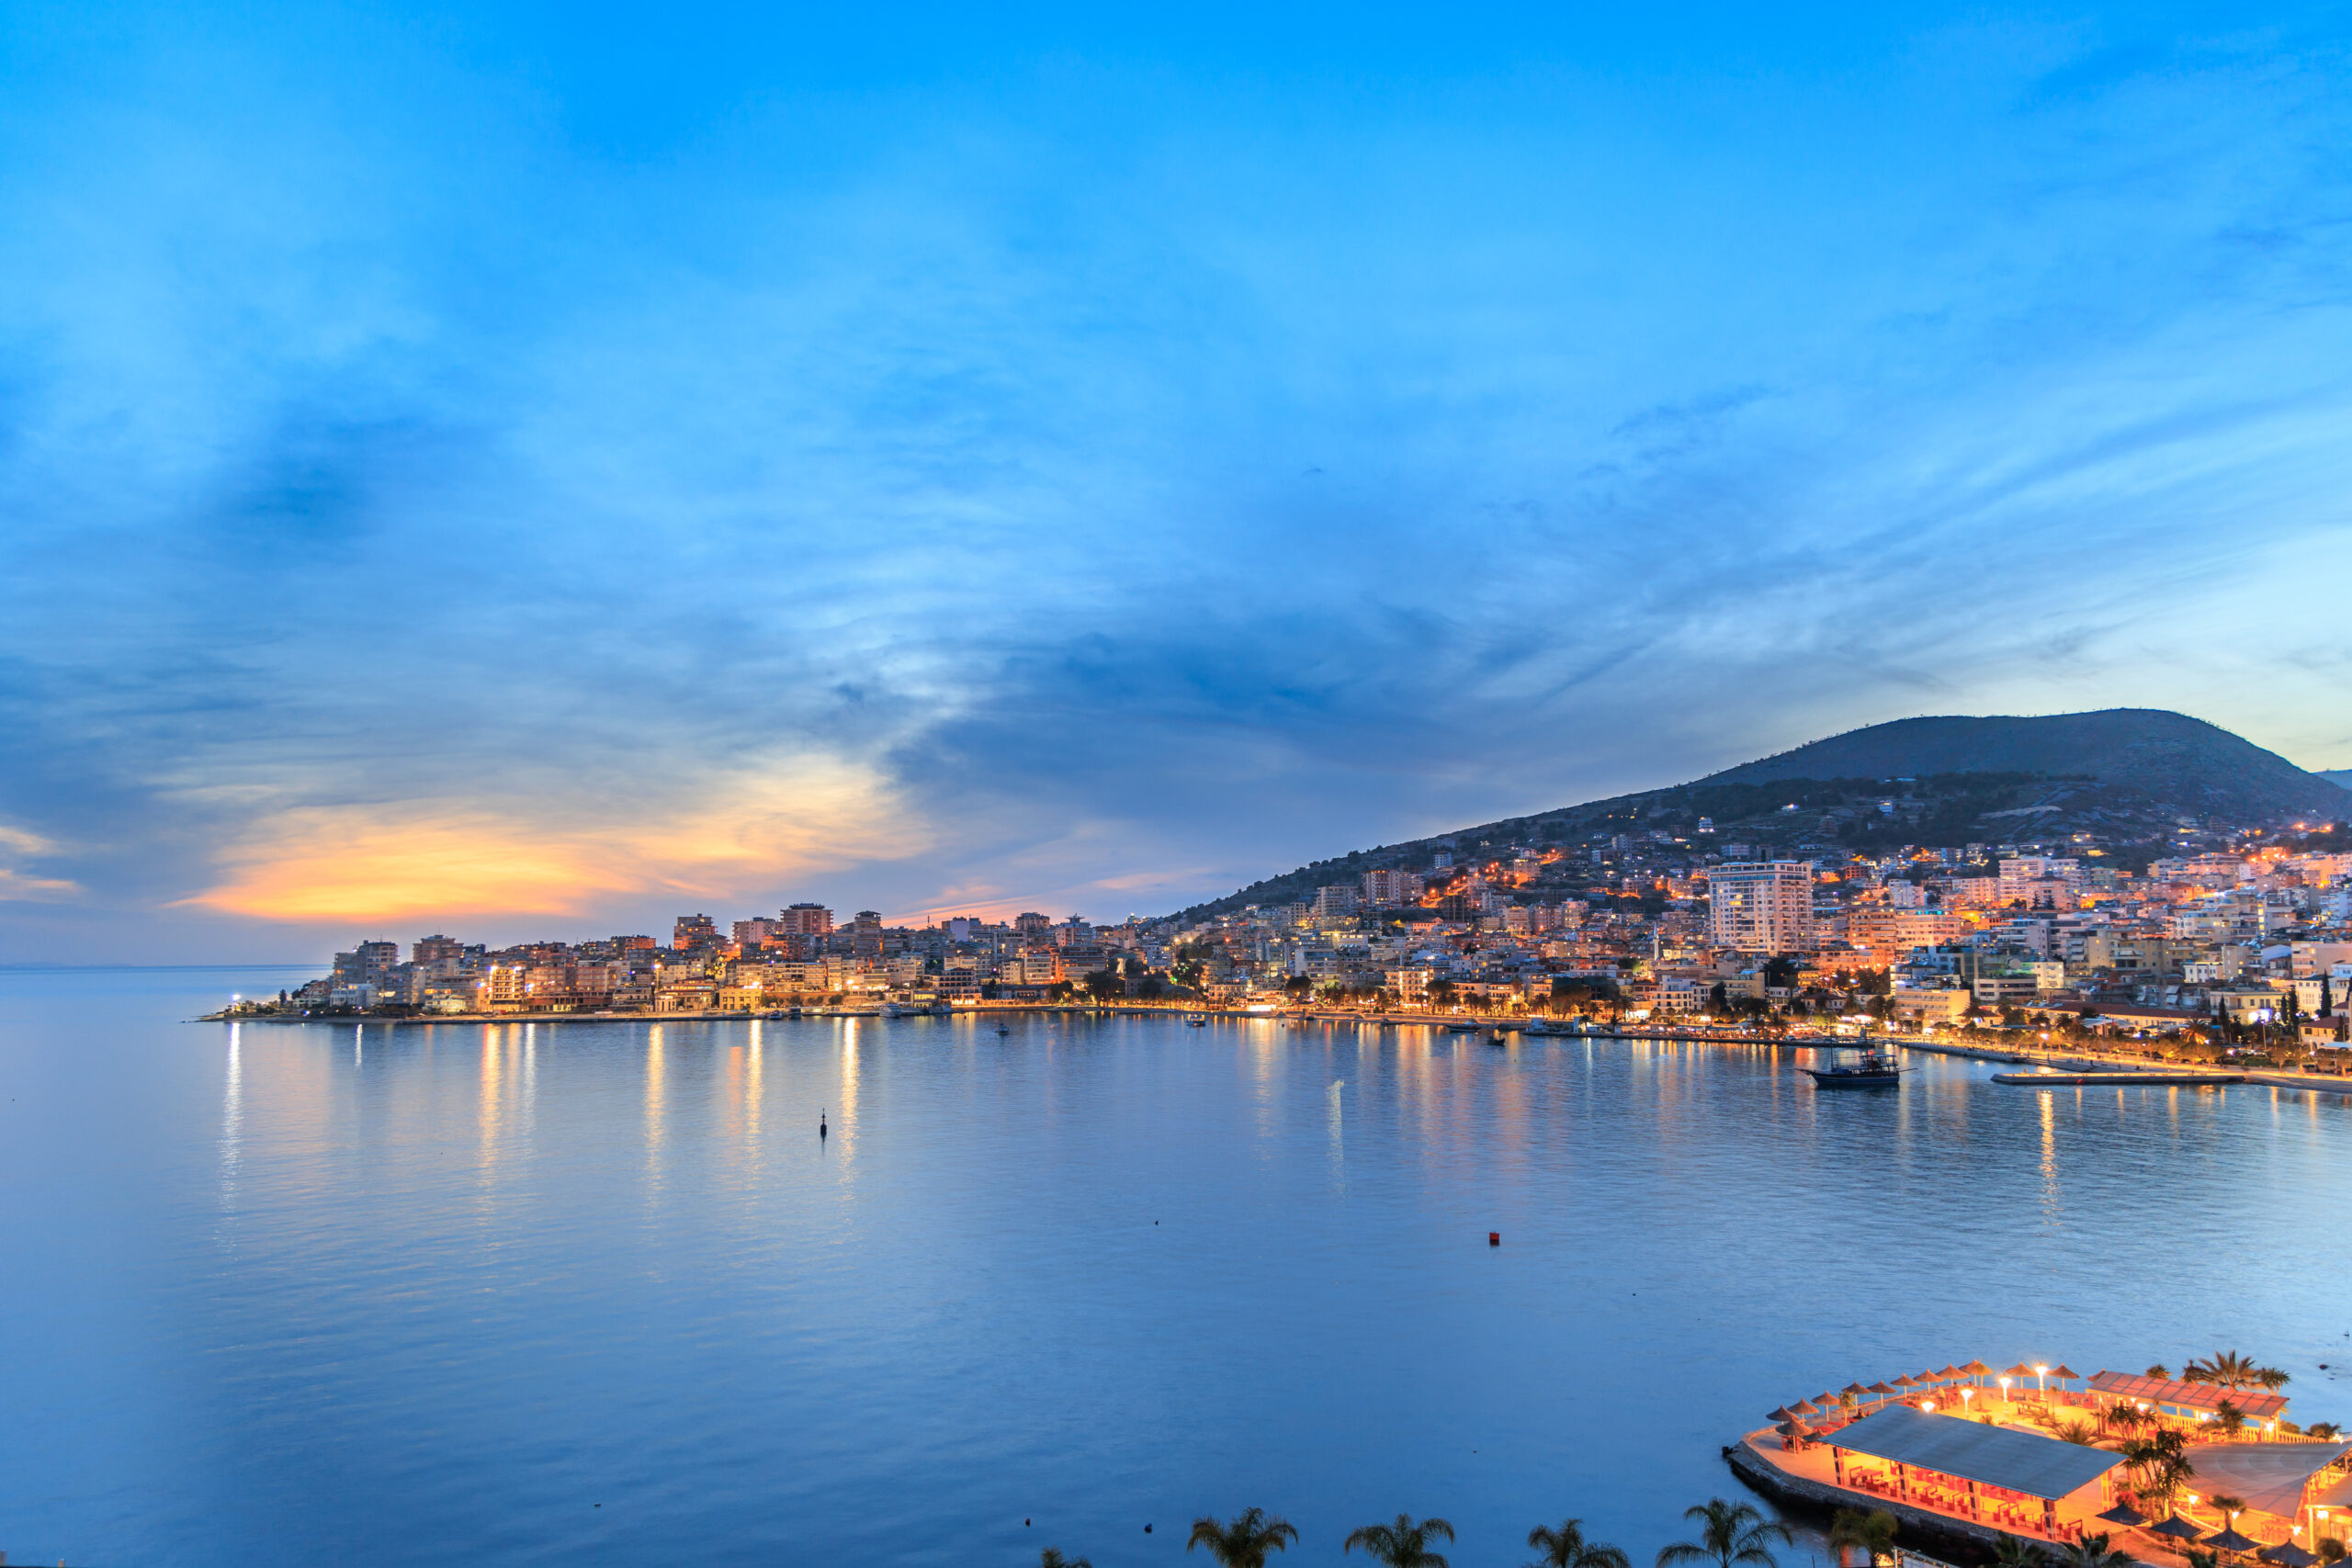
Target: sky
x=531, y=470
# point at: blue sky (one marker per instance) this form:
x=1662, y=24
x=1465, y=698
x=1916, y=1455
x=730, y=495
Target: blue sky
x=532, y=469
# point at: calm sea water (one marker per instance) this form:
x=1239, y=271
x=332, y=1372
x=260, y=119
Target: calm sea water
x=325, y=1294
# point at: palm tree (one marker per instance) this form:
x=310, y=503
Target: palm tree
x=1731, y=1535
x=1401, y=1545
x=1566, y=1548
x=1245, y=1542
x=1052, y=1558
x=2331, y=1551
x=1873, y=1532
x=2227, y=1369
x=2016, y=1551
x=2161, y=1461
x=2091, y=1551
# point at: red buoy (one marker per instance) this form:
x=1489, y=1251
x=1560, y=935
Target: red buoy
x=1494, y=1238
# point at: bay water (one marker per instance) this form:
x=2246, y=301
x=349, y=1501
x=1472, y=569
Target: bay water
x=598, y=1292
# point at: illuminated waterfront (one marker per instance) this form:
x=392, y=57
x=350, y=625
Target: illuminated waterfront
x=384, y=1295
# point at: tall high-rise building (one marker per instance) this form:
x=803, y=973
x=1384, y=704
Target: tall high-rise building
x=1386, y=889
x=693, y=931
x=865, y=935
x=806, y=920
x=1761, y=905
x=1031, y=925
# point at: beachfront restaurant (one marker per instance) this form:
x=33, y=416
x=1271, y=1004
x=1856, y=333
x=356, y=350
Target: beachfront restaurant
x=2294, y=1493
x=1995, y=1476
x=2192, y=1402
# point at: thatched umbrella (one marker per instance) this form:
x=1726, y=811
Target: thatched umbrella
x=2124, y=1514
x=1784, y=1414
x=2287, y=1554
x=1807, y=1408
x=2229, y=1540
x=1906, y=1383
x=1977, y=1370
x=2177, y=1527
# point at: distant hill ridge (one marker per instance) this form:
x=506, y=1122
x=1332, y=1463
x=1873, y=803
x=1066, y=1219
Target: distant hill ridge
x=2199, y=766
x=2128, y=774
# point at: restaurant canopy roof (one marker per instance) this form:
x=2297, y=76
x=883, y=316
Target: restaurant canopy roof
x=1990, y=1456
x=2269, y=1476
x=2258, y=1404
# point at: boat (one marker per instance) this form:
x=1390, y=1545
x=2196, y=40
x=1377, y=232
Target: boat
x=1464, y=1028
x=1867, y=1067
x=917, y=1007
x=1195, y=1020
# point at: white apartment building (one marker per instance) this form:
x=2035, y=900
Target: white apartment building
x=1761, y=905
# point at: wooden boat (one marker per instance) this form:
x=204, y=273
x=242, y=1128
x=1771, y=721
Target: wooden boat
x=1863, y=1068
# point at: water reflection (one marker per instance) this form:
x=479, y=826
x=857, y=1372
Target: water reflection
x=2050, y=1205
x=843, y=1142
x=232, y=1118
x=655, y=1087
x=1339, y=1155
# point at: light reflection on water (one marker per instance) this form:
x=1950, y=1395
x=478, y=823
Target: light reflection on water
x=441, y=1291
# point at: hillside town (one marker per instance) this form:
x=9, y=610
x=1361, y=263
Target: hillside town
x=2236, y=940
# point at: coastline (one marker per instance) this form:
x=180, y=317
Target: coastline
x=2122, y=1071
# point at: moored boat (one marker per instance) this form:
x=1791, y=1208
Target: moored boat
x=1863, y=1068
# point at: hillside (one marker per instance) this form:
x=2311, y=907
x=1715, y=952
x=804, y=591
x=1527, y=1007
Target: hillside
x=2338, y=776
x=2127, y=778
x=2196, y=767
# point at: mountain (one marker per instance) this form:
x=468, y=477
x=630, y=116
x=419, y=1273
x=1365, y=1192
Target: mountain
x=2200, y=768
x=2338, y=776
x=2125, y=778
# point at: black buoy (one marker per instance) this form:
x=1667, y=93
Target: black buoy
x=820, y=1126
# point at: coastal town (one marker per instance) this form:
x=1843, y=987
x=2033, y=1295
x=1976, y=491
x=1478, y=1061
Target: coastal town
x=2236, y=942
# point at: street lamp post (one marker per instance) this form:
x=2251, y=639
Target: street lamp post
x=2004, y=1390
